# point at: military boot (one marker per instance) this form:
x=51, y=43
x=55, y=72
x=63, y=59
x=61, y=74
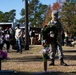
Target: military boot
x=62, y=62
x=52, y=62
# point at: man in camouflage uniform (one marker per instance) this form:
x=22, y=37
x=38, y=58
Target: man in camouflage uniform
x=56, y=46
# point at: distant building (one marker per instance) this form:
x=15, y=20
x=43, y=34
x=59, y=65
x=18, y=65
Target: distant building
x=4, y=25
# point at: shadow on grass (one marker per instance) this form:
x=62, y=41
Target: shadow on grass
x=70, y=57
x=69, y=51
x=26, y=59
x=23, y=49
x=38, y=58
x=37, y=73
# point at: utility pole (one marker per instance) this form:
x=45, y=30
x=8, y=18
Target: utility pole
x=26, y=26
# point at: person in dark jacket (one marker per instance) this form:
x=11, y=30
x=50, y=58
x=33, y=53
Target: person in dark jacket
x=56, y=46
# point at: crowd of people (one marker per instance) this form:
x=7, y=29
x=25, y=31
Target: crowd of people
x=8, y=34
x=11, y=37
x=5, y=35
x=15, y=38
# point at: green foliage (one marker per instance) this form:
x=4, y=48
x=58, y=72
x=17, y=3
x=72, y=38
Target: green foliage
x=48, y=14
x=45, y=57
x=36, y=12
x=46, y=31
x=49, y=30
x=7, y=16
x=1, y=16
x=68, y=16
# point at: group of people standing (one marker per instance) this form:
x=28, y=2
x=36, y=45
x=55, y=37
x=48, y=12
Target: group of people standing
x=7, y=34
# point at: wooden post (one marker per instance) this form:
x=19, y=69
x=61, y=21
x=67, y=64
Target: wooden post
x=0, y=64
x=45, y=65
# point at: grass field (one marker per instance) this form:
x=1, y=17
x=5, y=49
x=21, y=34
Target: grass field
x=30, y=62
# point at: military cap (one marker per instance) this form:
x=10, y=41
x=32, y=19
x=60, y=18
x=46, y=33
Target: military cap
x=55, y=13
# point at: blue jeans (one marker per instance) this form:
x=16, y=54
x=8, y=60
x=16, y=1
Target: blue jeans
x=18, y=43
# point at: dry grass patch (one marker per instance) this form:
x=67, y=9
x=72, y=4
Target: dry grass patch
x=31, y=61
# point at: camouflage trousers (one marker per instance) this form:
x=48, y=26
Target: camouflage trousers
x=55, y=48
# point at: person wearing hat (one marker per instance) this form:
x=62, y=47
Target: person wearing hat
x=18, y=36
x=56, y=46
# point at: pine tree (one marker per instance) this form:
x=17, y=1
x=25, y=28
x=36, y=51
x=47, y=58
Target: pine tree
x=56, y=6
x=68, y=16
x=47, y=16
x=36, y=12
